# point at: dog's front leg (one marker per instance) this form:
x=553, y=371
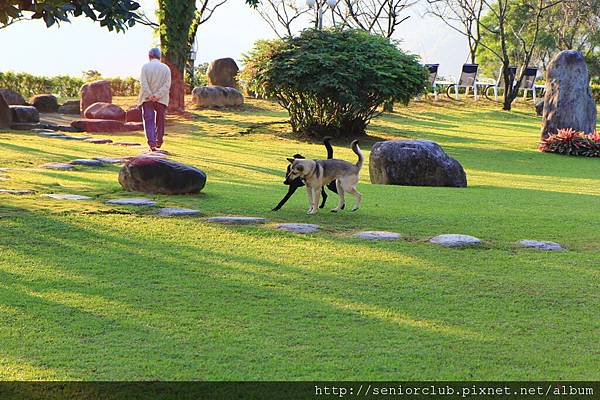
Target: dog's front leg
x=316, y=192
x=310, y=199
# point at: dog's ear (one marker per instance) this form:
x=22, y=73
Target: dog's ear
x=300, y=156
x=291, y=160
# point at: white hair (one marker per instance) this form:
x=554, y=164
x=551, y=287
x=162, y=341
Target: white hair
x=154, y=53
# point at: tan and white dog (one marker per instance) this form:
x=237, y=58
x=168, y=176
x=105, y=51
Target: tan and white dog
x=318, y=173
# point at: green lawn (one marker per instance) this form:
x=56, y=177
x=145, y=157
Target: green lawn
x=90, y=291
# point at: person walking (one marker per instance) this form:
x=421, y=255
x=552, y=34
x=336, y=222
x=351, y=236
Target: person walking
x=155, y=82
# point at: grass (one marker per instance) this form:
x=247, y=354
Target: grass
x=90, y=291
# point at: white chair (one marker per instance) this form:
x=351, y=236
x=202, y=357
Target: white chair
x=467, y=80
x=499, y=83
x=528, y=82
x=433, y=72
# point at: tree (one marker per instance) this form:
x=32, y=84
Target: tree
x=115, y=15
x=282, y=15
x=462, y=16
x=380, y=17
x=178, y=24
x=333, y=82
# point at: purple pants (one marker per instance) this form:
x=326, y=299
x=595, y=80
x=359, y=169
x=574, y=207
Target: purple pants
x=153, y=113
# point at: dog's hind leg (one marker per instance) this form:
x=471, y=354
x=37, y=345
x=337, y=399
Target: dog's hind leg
x=289, y=194
x=324, y=198
x=358, y=197
x=341, y=202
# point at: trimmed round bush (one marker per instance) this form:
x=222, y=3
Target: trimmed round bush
x=332, y=82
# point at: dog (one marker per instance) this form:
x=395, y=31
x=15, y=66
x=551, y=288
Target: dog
x=318, y=173
x=294, y=184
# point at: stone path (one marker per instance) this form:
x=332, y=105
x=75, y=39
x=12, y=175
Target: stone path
x=298, y=228
x=237, y=220
x=177, y=212
x=99, y=141
x=87, y=162
x=66, y=137
x=134, y=201
x=110, y=160
x=17, y=192
x=131, y=144
x=66, y=196
x=453, y=240
x=59, y=166
x=546, y=246
x=377, y=235
x=50, y=133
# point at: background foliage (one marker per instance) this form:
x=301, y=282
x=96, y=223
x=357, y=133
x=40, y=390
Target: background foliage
x=332, y=82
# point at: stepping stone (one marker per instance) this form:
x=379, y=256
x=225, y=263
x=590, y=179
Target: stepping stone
x=74, y=137
x=452, y=240
x=50, y=133
x=377, y=235
x=4, y=169
x=17, y=192
x=546, y=246
x=59, y=166
x=177, y=212
x=110, y=160
x=299, y=228
x=99, y=141
x=126, y=144
x=87, y=163
x=66, y=196
x=134, y=201
x=65, y=128
x=237, y=220
x=43, y=131
x=156, y=152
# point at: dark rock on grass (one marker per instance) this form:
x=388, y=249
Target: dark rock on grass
x=134, y=114
x=103, y=110
x=67, y=137
x=541, y=245
x=377, y=235
x=299, y=228
x=177, y=212
x=453, y=240
x=70, y=107
x=568, y=102
x=49, y=133
x=59, y=166
x=99, y=125
x=99, y=141
x=159, y=175
x=87, y=162
x=26, y=126
x=128, y=144
x=26, y=114
x=12, y=97
x=5, y=114
x=237, y=220
x=45, y=103
x=134, y=201
x=95, y=92
x=414, y=163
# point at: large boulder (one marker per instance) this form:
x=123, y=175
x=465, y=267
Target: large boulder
x=104, y=111
x=95, y=92
x=45, y=103
x=5, y=114
x=22, y=114
x=70, y=107
x=134, y=114
x=99, y=125
x=217, y=96
x=568, y=102
x=12, y=98
x=160, y=175
x=414, y=163
x=222, y=72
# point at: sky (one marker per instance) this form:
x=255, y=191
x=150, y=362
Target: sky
x=81, y=45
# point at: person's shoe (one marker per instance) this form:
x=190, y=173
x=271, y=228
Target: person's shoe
x=159, y=145
x=152, y=148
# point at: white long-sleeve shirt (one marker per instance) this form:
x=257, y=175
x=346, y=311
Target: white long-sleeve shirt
x=155, y=80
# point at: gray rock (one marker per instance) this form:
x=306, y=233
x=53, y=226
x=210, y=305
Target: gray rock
x=44, y=130
x=5, y=114
x=414, y=163
x=67, y=137
x=67, y=128
x=568, y=102
x=135, y=201
x=453, y=240
x=60, y=196
x=217, y=96
x=299, y=228
x=17, y=192
x=59, y=166
x=87, y=163
x=45, y=103
x=177, y=212
x=99, y=141
x=377, y=235
x=70, y=107
x=535, y=244
x=237, y=220
x=25, y=126
x=49, y=133
x=222, y=72
x=110, y=160
x=12, y=97
x=25, y=114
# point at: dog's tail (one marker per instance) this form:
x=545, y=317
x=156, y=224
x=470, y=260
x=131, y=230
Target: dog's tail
x=326, y=140
x=356, y=150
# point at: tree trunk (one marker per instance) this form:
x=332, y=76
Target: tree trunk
x=388, y=106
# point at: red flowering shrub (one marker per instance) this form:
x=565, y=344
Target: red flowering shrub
x=571, y=143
